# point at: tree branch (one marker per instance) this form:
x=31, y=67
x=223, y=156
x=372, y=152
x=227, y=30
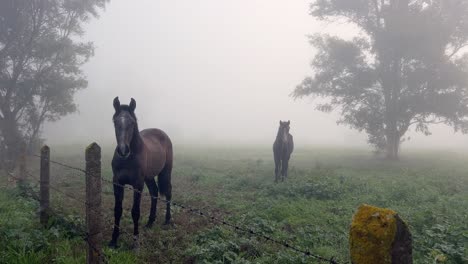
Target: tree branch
x=25, y=52
x=457, y=49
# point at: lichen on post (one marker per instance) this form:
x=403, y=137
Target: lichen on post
x=93, y=204
x=378, y=235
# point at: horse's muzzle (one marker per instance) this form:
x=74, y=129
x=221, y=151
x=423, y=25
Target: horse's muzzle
x=123, y=151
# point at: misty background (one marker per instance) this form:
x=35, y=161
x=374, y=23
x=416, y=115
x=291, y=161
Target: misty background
x=210, y=71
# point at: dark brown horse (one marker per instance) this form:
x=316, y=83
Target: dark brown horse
x=138, y=158
x=282, y=149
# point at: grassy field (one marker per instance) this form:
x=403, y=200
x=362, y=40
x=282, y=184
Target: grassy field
x=312, y=209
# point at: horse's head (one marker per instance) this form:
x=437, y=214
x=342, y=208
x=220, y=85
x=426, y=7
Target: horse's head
x=125, y=124
x=283, y=131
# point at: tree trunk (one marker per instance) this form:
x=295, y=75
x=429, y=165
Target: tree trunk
x=12, y=141
x=393, y=144
x=393, y=138
x=392, y=82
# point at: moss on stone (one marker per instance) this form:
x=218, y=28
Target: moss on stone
x=372, y=233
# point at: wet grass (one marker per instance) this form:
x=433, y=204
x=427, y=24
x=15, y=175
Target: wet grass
x=312, y=209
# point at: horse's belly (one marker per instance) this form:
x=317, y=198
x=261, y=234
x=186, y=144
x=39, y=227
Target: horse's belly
x=154, y=162
x=155, y=147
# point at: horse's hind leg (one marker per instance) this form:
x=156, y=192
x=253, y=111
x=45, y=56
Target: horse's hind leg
x=136, y=212
x=165, y=187
x=118, y=195
x=168, y=205
x=153, y=189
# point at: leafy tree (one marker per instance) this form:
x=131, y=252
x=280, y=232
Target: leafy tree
x=407, y=67
x=40, y=61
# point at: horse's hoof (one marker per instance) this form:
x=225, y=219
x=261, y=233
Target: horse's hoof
x=136, y=248
x=136, y=244
x=113, y=244
x=149, y=225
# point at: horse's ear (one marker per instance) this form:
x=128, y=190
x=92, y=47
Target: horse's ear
x=132, y=105
x=289, y=122
x=281, y=122
x=116, y=103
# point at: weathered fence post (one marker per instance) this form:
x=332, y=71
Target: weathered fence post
x=44, y=188
x=22, y=168
x=379, y=235
x=93, y=204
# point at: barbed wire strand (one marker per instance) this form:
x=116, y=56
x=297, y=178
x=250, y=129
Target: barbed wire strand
x=104, y=216
x=224, y=222
x=142, y=242
x=61, y=164
x=83, y=233
x=213, y=218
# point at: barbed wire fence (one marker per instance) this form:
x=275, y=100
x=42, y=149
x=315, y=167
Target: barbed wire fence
x=94, y=213
x=60, y=213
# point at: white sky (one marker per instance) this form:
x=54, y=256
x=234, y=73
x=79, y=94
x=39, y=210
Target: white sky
x=209, y=71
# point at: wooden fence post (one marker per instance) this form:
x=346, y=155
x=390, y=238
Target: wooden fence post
x=44, y=187
x=379, y=235
x=93, y=204
x=22, y=168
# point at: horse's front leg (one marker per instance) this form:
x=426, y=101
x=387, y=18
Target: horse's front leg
x=136, y=213
x=284, y=169
x=277, y=168
x=153, y=189
x=276, y=171
x=118, y=195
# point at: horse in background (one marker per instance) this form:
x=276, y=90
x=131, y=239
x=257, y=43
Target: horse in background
x=282, y=149
x=138, y=158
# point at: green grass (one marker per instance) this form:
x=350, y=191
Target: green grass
x=24, y=240
x=312, y=209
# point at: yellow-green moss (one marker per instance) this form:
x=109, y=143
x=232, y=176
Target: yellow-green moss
x=372, y=233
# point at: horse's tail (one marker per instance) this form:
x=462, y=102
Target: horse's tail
x=164, y=178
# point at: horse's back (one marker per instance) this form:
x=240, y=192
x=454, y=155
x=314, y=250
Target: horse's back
x=156, y=137
x=159, y=150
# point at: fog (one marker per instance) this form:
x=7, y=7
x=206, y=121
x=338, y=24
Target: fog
x=208, y=71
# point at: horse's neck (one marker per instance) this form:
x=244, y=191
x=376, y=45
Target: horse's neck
x=137, y=142
x=282, y=144
x=278, y=135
